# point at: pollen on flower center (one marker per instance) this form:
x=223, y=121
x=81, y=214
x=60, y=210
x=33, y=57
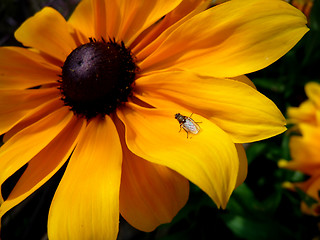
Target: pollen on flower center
x=97, y=77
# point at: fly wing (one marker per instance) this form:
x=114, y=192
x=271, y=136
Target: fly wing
x=191, y=126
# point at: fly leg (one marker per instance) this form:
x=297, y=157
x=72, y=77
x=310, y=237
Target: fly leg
x=190, y=117
x=181, y=127
x=186, y=132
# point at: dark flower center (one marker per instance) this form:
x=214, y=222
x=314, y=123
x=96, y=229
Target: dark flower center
x=97, y=77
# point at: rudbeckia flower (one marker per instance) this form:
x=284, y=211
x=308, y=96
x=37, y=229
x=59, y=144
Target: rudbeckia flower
x=101, y=91
x=304, y=148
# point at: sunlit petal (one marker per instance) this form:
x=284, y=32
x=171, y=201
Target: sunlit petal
x=21, y=68
x=208, y=159
x=17, y=104
x=144, y=45
x=235, y=107
x=243, y=164
x=137, y=15
x=231, y=39
x=46, y=163
x=89, y=189
x=82, y=18
x=150, y=194
x=47, y=31
x=43, y=111
x=26, y=144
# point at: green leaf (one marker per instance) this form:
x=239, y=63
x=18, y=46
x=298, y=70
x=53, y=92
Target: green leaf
x=251, y=229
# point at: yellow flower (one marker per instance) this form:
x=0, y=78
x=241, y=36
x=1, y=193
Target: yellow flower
x=304, y=148
x=309, y=111
x=311, y=188
x=102, y=90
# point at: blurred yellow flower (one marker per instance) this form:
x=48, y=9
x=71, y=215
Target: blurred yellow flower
x=102, y=90
x=305, y=148
x=309, y=111
x=304, y=6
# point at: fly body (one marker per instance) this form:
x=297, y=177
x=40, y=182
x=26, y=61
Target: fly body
x=188, y=124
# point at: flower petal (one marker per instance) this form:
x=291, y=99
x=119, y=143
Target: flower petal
x=26, y=144
x=311, y=187
x=138, y=15
x=44, y=165
x=183, y=12
x=208, y=159
x=243, y=164
x=108, y=10
x=42, y=112
x=235, y=107
x=125, y=20
x=304, y=113
x=48, y=32
x=21, y=68
x=150, y=194
x=231, y=39
x=82, y=18
x=89, y=188
x=244, y=79
x=304, y=150
x=313, y=92
x=17, y=104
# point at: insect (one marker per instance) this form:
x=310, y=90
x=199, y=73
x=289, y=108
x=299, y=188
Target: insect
x=188, y=124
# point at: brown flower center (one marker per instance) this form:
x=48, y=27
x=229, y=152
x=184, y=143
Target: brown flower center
x=97, y=77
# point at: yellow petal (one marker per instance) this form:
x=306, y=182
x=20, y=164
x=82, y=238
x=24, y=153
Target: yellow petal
x=125, y=20
x=311, y=187
x=243, y=164
x=143, y=46
x=82, y=19
x=17, y=104
x=244, y=79
x=150, y=194
x=235, y=107
x=86, y=203
x=48, y=32
x=106, y=18
x=26, y=144
x=231, y=39
x=318, y=117
x=208, y=159
x=42, y=112
x=44, y=165
x=305, y=150
x=21, y=68
x=137, y=15
x=313, y=92
x=305, y=113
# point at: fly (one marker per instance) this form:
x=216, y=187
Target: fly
x=188, y=124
